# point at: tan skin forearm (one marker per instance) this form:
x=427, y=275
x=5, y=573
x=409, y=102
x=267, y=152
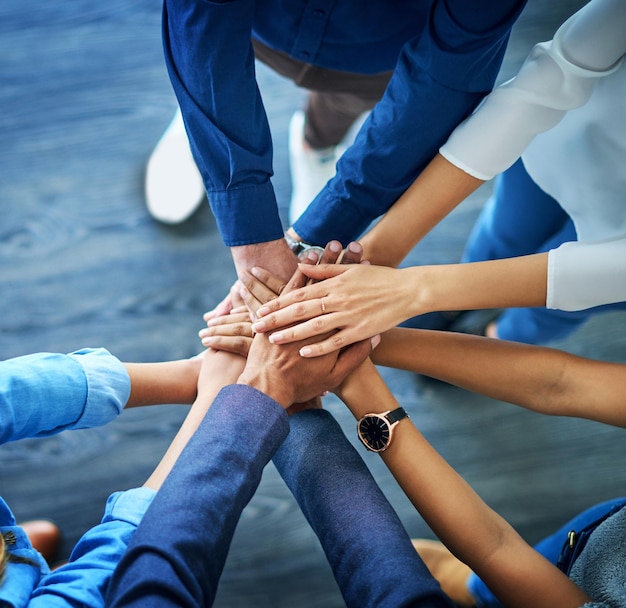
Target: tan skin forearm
x=475, y=534
x=218, y=370
x=513, y=282
x=537, y=378
x=431, y=197
x=165, y=382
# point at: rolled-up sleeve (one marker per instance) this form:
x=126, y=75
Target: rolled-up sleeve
x=46, y=393
x=84, y=580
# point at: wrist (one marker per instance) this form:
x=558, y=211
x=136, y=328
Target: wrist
x=270, y=385
x=271, y=255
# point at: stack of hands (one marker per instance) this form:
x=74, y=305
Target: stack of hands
x=291, y=381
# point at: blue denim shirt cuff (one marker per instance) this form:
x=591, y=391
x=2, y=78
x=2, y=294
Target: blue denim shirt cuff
x=129, y=506
x=108, y=387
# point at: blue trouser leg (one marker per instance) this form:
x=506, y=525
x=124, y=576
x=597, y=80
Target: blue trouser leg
x=367, y=547
x=521, y=219
x=550, y=547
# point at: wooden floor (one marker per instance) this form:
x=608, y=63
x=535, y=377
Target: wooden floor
x=84, y=98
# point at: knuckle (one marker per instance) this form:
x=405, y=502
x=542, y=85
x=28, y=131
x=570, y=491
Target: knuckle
x=337, y=340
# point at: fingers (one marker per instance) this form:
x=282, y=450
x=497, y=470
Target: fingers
x=223, y=308
x=331, y=254
x=254, y=293
x=231, y=333
x=352, y=254
x=298, y=279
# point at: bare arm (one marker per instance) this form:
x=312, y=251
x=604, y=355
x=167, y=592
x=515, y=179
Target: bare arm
x=164, y=382
x=433, y=195
x=537, y=378
x=361, y=301
x=218, y=370
x=475, y=534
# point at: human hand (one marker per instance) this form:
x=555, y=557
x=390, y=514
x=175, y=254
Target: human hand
x=355, y=302
x=232, y=332
x=280, y=373
x=273, y=255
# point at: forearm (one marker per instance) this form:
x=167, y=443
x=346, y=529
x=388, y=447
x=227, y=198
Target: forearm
x=513, y=282
x=317, y=454
x=218, y=370
x=177, y=561
x=436, y=192
x=540, y=379
x=475, y=533
x=166, y=382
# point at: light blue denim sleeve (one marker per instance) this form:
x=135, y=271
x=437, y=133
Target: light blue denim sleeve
x=19, y=579
x=46, y=393
x=83, y=582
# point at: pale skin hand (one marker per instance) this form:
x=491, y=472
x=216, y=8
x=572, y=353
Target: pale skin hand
x=362, y=301
x=273, y=255
x=476, y=534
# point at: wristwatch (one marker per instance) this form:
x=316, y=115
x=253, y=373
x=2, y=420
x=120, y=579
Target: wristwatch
x=376, y=430
x=300, y=248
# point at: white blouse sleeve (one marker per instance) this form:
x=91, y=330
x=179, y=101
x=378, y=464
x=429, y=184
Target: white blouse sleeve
x=557, y=76
x=586, y=274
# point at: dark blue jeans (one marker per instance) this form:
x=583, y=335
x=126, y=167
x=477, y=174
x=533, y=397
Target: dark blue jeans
x=521, y=219
x=550, y=547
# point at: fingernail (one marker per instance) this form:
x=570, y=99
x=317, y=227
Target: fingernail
x=262, y=311
x=276, y=338
x=256, y=272
x=244, y=293
x=211, y=322
x=207, y=341
x=354, y=247
x=305, y=352
x=334, y=246
x=259, y=325
x=312, y=255
x=375, y=341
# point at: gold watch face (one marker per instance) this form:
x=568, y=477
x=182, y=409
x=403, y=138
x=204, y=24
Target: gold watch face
x=374, y=432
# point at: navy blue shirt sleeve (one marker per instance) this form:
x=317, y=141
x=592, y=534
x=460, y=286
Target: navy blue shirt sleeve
x=178, y=551
x=439, y=79
x=441, y=75
x=368, y=548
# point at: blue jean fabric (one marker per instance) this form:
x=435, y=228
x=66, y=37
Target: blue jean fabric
x=177, y=554
x=550, y=547
x=521, y=219
x=369, y=550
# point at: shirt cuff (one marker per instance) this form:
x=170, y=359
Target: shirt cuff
x=247, y=216
x=129, y=506
x=108, y=387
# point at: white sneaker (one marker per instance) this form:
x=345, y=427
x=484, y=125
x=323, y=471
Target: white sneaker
x=174, y=188
x=310, y=169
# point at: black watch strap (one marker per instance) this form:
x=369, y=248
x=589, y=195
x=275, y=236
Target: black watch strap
x=396, y=415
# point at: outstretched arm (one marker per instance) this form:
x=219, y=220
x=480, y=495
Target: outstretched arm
x=538, y=378
x=475, y=534
x=361, y=301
